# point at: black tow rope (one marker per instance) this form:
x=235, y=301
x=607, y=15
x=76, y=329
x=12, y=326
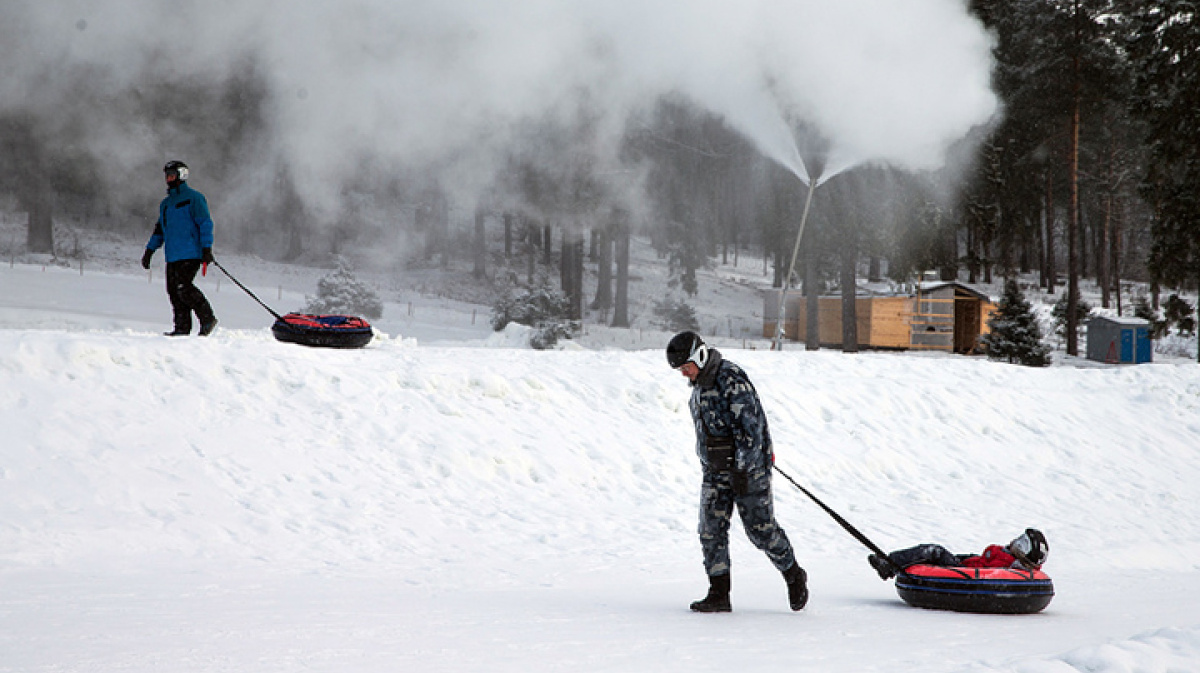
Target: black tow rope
x=845, y=524
x=252, y=295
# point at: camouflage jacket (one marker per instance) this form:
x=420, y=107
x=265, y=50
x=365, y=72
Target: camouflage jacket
x=724, y=403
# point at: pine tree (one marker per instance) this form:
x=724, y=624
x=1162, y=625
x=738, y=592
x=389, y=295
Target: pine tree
x=546, y=310
x=341, y=292
x=1083, y=311
x=1163, y=42
x=1144, y=310
x=1015, y=335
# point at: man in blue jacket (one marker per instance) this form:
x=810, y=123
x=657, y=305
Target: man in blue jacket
x=185, y=227
x=734, y=446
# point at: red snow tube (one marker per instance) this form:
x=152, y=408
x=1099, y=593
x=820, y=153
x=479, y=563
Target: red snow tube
x=990, y=590
x=324, y=331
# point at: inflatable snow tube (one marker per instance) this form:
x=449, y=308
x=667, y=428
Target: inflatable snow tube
x=323, y=331
x=988, y=590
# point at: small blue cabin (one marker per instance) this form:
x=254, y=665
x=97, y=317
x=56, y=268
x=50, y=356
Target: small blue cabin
x=1119, y=340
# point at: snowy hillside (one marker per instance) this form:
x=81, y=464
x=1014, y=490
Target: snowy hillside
x=443, y=501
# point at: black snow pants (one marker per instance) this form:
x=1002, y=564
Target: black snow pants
x=186, y=298
x=927, y=554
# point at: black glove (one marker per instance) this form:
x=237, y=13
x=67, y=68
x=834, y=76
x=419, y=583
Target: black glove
x=206, y=256
x=739, y=482
x=146, y=258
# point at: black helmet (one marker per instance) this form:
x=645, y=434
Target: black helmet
x=1030, y=548
x=179, y=167
x=687, y=347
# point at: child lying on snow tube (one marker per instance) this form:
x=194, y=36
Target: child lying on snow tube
x=1028, y=551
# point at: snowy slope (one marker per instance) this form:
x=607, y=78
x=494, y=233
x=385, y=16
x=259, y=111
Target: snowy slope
x=235, y=503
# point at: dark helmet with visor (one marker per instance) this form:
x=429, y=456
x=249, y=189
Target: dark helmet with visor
x=687, y=347
x=1030, y=548
x=178, y=167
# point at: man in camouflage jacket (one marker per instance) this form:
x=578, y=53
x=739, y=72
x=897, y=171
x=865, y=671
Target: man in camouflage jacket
x=734, y=446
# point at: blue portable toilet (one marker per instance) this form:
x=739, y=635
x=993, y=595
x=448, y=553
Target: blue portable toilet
x=1119, y=340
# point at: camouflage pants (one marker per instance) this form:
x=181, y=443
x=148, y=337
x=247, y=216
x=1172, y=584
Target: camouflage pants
x=757, y=511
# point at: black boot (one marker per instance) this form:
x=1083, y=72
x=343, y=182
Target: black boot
x=207, y=326
x=183, y=322
x=717, y=599
x=797, y=585
x=882, y=566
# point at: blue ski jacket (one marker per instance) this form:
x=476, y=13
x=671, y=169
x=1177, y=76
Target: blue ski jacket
x=184, y=224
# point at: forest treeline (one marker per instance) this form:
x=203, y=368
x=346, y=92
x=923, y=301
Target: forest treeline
x=1091, y=170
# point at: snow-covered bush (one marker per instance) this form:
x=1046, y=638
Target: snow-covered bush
x=341, y=292
x=1015, y=335
x=676, y=315
x=547, y=311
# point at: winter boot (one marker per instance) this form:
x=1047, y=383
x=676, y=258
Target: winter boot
x=207, y=326
x=797, y=585
x=183, y=322
x=882, y=566
x=717, y=599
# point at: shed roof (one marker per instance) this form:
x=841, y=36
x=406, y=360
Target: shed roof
x=1121, y=320
x=958, y=287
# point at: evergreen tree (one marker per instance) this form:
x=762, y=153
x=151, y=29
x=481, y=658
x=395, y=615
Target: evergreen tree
x=1083, y=310
x=1015, y=335
x=546, y=310
x=675, y=315
x=1163, y=43
x=1180, y=314
x=1144, y=310
x=341, y=292
x=1059, y=72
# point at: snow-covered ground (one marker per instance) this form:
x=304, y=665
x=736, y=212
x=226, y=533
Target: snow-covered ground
x=444, y=500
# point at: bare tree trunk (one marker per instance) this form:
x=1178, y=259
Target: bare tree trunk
x=532, y=239
x=1115, y=266
x=572, y=271
x=1105, y=254
x=812, y=301
x=1073, y=216
x=972, y=252
x=1051, y=264
x=577, y=277
x=480, y=245
x=294, y=221
x=849, y=301
x=621, y=305
x=987, y=244
x=40, y=233
x=875, y=269
x=564, y=265
x=508, y=235
x=604, y=257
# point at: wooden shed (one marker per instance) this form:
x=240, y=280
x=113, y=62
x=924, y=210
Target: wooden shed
x=938, y=316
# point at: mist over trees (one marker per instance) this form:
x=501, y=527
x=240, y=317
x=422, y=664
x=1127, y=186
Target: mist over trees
x=1089, y=170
